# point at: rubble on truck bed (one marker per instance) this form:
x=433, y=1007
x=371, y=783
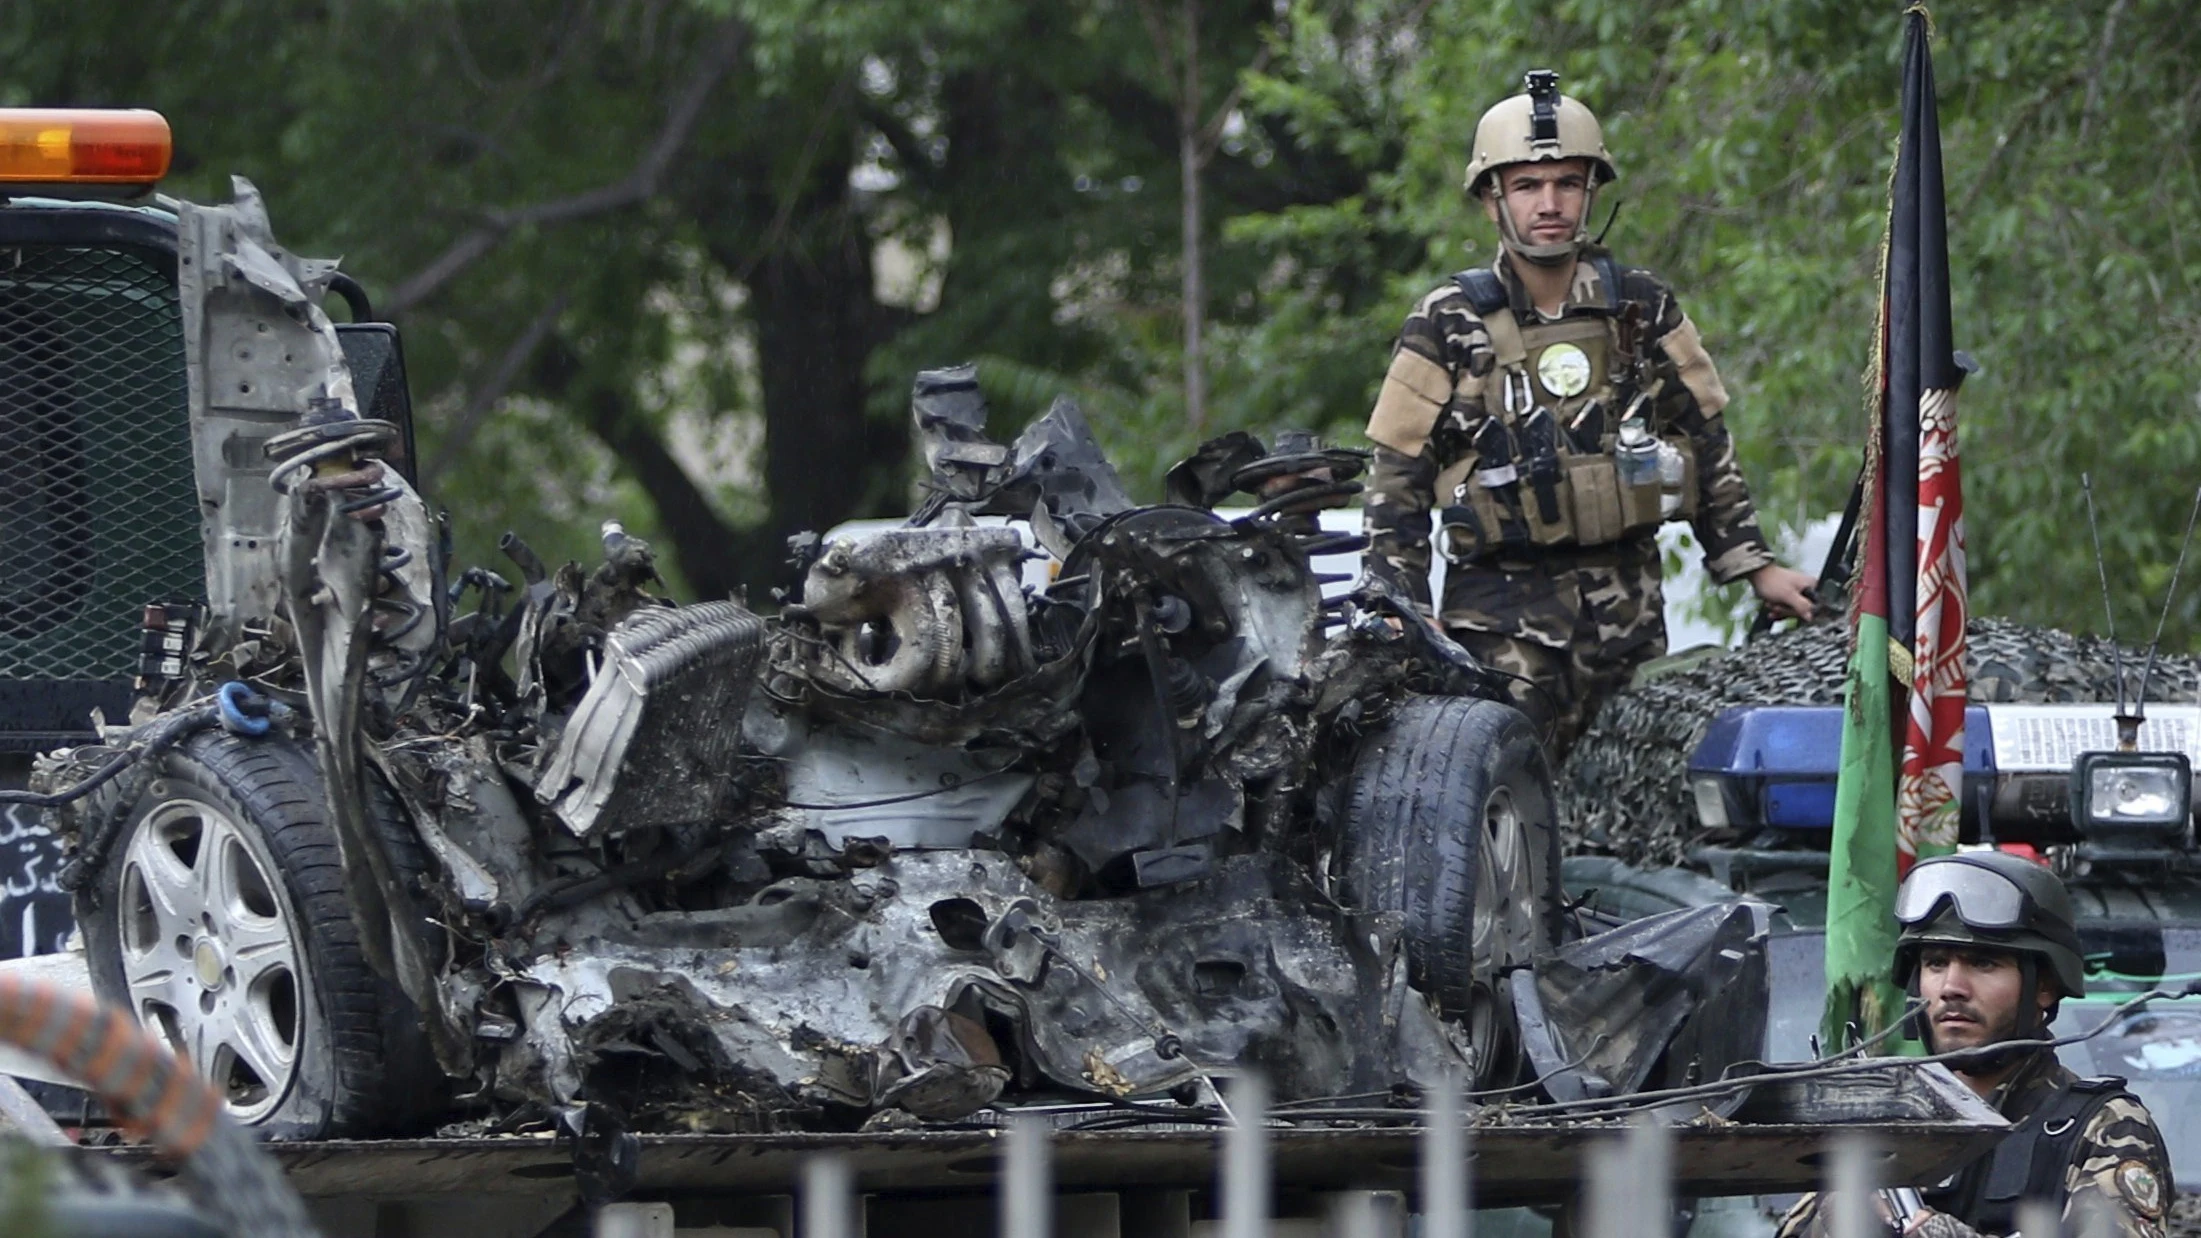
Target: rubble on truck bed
x=928, y=840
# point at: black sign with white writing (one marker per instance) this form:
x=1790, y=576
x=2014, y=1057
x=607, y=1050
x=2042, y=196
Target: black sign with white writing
x=34, y=913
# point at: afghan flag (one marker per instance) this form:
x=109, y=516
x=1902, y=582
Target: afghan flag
x=1903, y=722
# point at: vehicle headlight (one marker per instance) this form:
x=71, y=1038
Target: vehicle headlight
x=2114, y=792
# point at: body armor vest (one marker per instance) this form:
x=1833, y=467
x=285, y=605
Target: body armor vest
x=1548, y=468
x=2030, y=1163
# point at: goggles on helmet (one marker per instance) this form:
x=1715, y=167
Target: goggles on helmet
x=1982, y=897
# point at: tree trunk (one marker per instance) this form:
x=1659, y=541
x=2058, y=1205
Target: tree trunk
x=806, y=265
x=1189, y=160
x=816, y=327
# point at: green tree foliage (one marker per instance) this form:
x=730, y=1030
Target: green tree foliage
x=676, y=260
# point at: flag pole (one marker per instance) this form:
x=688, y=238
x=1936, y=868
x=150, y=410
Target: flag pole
x=1896, y=800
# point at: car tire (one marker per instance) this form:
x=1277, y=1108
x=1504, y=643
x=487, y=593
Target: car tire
x=1449, y=824
x=219, y=919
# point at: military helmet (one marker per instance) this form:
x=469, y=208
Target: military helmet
x=1991, y=899
x=1537, y=126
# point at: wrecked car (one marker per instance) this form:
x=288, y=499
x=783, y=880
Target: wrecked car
x=390, y=841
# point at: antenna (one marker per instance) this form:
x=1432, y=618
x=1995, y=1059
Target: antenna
x=2101, y=566
x=2168, y=595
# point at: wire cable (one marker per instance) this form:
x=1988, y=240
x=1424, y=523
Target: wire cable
x=903, y=799
x=1828, y=1070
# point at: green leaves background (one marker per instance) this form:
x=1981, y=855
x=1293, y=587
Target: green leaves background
x=871, y=186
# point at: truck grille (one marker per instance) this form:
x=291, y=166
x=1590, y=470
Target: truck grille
x=98, y=508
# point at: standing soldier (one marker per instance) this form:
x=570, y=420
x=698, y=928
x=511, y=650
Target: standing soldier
x=1989, y=945
x=1552, y=409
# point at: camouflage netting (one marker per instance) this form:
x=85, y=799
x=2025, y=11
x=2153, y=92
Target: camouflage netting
x=1623, y=790
x=2185, y=1215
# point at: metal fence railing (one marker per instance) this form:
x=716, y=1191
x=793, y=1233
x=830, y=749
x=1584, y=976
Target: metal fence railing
x=1627, y=1191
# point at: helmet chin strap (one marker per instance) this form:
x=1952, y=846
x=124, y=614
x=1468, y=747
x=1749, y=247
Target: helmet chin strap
x=2029, y=1011
x=1558, y=253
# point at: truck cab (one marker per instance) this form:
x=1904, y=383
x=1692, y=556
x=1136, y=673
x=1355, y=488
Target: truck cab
x=98, y=514
x=101, y=512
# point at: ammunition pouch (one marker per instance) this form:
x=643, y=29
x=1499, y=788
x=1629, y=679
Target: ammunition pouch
x=1589, y=506
x=1551, y=493
x=1600, y=507
x=1688, y=508
x=1482, y=516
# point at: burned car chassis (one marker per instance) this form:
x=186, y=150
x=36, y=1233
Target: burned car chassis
x=930, y=838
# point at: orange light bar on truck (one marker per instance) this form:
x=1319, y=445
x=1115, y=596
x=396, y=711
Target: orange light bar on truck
x=82, y=146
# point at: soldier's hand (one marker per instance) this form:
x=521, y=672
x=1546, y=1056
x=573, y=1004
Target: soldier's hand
x=1782, y=589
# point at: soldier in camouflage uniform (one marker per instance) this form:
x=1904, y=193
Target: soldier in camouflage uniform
x=1988, y=943
x=1551, y=410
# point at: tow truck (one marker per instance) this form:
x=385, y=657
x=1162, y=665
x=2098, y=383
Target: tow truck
x=156, y=357
x=101, y=496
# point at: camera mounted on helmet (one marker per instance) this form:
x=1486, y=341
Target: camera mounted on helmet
x=1543, y=93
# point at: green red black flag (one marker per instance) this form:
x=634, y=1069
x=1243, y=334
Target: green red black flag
x=1903, y=728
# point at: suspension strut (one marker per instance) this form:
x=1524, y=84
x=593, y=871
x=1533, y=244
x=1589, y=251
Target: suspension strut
x=333, y=450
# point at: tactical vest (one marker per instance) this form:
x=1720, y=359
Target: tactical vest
x=2031, y=1162
x=1541, y=472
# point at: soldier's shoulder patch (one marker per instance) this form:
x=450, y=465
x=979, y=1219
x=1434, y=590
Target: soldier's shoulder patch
x=2141, y=1188
x=1447, y=295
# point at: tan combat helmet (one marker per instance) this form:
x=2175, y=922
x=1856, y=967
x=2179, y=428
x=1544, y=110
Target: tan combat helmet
x=1538, y=126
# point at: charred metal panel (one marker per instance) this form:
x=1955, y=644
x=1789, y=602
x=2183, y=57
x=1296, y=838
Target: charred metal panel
x=776, y=1012
x=258, y=347
x=856, y=783
x=1665, y=1001
x=654, y=740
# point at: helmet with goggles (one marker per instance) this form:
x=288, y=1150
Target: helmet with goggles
x=1991, y=900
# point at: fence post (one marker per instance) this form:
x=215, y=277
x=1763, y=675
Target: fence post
x=1447, y=1187
x=1246, y=1160
x=1630, y=1180
x=2037, y=1219
x=1852, y=1211
x=828, y=1198
x=1027, y=1180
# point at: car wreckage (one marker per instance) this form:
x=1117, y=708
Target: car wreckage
x=1045, y=793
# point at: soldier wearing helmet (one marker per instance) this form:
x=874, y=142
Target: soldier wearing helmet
x=1550, y=411
x=1989, y=947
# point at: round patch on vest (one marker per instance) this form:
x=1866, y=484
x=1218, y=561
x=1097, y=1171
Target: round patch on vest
x=1564, y=370
x=2141, y=1187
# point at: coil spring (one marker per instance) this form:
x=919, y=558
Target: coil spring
x=406, y=663
x=360, y=439
x=1283, y=513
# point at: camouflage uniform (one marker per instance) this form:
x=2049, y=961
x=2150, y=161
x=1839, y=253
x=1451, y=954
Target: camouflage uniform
x=2117, y=1182
x=1576, y=621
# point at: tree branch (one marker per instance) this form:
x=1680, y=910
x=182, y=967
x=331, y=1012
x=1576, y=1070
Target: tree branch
x=636, y=187
x=2101, y=67
x=1164, y=49
x=784, y=214
x=710, y=551
x=1211, y=134
x=2049, y=93
x=485, y=397
x=908, y=148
